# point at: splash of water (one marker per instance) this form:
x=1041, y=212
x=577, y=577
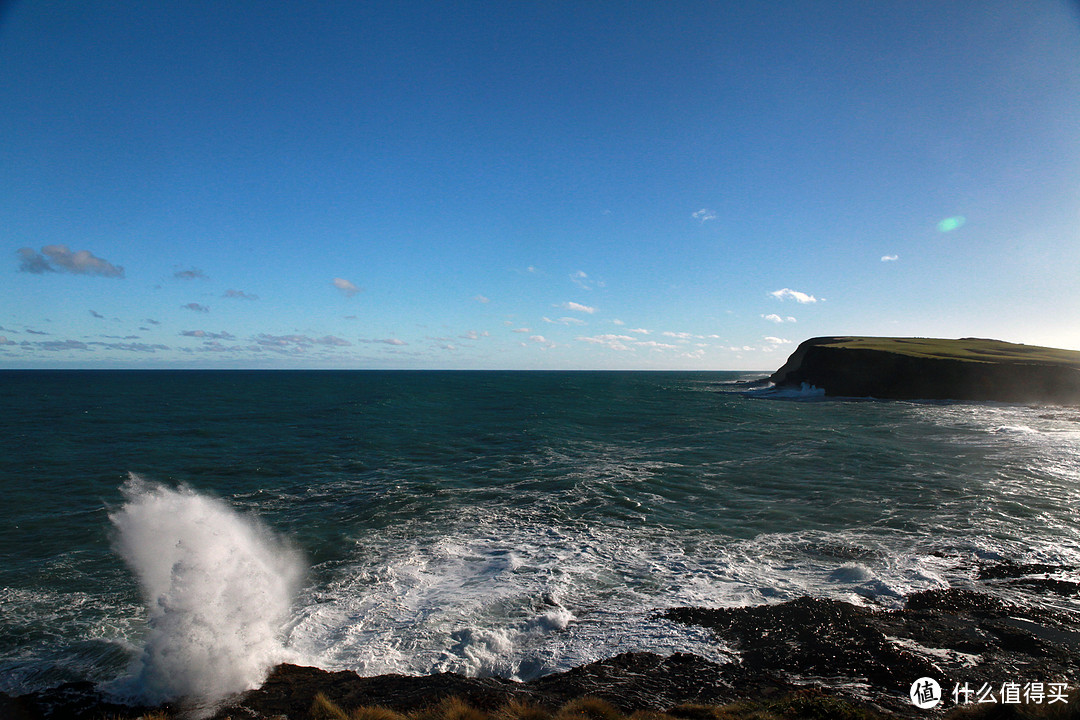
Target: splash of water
x=217, y=586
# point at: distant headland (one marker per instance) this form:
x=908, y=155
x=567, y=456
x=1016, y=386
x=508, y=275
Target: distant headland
x=933, y=369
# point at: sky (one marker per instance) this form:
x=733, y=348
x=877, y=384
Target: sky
x=531, y=185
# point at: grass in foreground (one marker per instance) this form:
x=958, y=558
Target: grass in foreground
x=801, y=705
x=810, y=704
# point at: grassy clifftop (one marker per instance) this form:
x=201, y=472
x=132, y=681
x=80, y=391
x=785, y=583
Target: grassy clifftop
x=966, y=349
x=934, y=368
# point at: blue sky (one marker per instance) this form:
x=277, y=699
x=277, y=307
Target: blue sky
x=663, y=185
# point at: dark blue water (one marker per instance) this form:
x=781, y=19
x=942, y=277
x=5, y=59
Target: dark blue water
x=509, y=523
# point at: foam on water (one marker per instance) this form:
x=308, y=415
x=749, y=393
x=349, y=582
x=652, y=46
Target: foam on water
x=217, y=587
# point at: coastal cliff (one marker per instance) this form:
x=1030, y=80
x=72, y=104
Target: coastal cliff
x=933, y=369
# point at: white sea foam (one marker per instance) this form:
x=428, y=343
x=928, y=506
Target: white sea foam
x=804, y=392
x=217, y=587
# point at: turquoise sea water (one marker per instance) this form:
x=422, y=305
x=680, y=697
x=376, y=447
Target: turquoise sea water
x=506, y=523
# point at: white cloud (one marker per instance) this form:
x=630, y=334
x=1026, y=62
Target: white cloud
x=704, y=214
x=617, y=321
x=345, y=286
x=656, y=345
x=473, y=335
x=580, y=279
x=382, y=341
x=565, y=321
x=773, y=317
x=615, y=342
x=680, y=335
x=889, y=258
x=522, y=330
x=577, y=307
x=54, y=258
x=481, y=299
x=776, y=341
x=640, y=331
x=789, y=294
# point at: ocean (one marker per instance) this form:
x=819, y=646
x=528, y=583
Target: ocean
x=175, y=532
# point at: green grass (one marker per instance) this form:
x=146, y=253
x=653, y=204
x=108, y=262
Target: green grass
x=967, y=349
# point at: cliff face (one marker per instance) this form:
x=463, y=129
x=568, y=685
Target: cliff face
x=920, y=369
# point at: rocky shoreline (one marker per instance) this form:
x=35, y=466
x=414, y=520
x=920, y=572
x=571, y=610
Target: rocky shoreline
x=867, y=656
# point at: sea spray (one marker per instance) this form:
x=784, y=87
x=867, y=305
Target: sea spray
x=217, y=586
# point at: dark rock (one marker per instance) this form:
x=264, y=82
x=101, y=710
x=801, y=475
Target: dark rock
x=813, y=637
x=290, y=690
x=71, y=701
x=1010, y=570
x=953, y=636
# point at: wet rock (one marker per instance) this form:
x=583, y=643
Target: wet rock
x=953, y=636
x=71, y=701
x=813, y=637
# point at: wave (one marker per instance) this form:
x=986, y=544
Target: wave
x=217, y=586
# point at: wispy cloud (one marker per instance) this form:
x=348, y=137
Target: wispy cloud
x=789, y=294
x=583, y=281
x=384, y=341
x=192, y=274
x=654, y=345
x=541, y=340
x=680, y=335
x=640, y=331
x=57, y=345
x=208, y=335
x=576, y=307
x=345, y=286
x=776, y=341
x=58, y=258
x=615, y=342
x=889, y=258
x=482, y=299
x=704, y=214
x=196, y=307
x=474, y=335
x=522, y=330
x=299, y=341
x=239, y=295
x=774, y=318
x=565, y=321
x=96, y=314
